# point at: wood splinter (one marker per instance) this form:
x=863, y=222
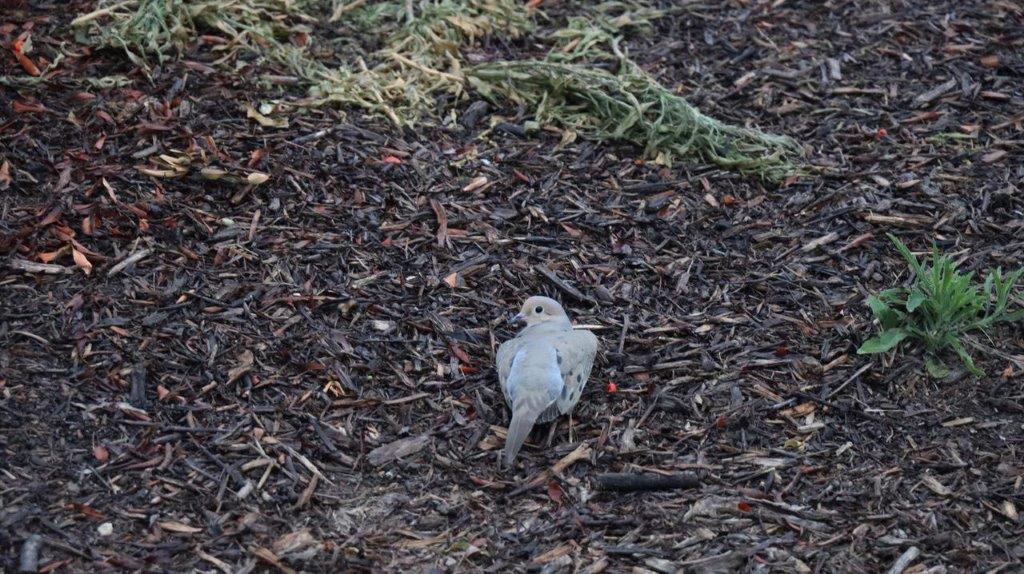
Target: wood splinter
x=635, y=482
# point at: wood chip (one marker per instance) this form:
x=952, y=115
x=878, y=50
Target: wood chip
x=128, y=261
x=994, y=156
x=958, y=422
x=34, y=267
x=904, y=560
x=243, y=365
x=562, y=285
x=270, y=558
x=178, y=527
x=823, y=240
x=398, y=449
x=475, y=184
x=929, y=96
x=935, y=486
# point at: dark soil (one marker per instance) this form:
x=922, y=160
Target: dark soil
x=222, y=401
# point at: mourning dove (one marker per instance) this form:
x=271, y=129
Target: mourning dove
x=543, y=369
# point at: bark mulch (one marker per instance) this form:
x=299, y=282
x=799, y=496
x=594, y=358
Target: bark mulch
x=297, y=375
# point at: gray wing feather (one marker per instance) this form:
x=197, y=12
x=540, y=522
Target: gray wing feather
x=577, y=349
x=535, y=379
x=507, y=352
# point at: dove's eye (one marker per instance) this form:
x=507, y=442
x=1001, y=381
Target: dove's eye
x=538, y=309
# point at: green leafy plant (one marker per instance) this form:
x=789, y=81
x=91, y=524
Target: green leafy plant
x=939, y=308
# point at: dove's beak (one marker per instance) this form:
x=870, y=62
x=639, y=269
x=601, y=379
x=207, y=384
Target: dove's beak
x=519, y=318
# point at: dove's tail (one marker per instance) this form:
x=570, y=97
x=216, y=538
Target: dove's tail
x=524, y=415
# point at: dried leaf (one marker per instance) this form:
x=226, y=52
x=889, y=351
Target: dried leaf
x=555, y=492
x=52, y=255
x=21, y=107
x=52, y=217
x=87, y=511
x=460, y=353
x=80, y=260
x=18, y=46
x=255, y=156
x=27, y=64
x=572, y=231
x=5, y=175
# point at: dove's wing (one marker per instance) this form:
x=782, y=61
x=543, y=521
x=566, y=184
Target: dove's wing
x=507, y=352
x=533, y=384
x=576, y=351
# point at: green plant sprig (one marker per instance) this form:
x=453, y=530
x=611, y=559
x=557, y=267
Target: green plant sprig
x=939, y=308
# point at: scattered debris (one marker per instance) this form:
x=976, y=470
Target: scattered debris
x=728, y=348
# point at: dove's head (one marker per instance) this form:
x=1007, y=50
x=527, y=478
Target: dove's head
x=537, y=310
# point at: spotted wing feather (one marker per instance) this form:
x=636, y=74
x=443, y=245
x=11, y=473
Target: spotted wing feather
x=577, y=350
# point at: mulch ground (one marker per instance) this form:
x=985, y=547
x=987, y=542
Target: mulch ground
x=298, y=375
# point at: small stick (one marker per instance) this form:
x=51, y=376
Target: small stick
x=130, y=260
x=634, y=482
x=99, y=13
x=622, y=335
x=849, y=380
x=33, y=267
